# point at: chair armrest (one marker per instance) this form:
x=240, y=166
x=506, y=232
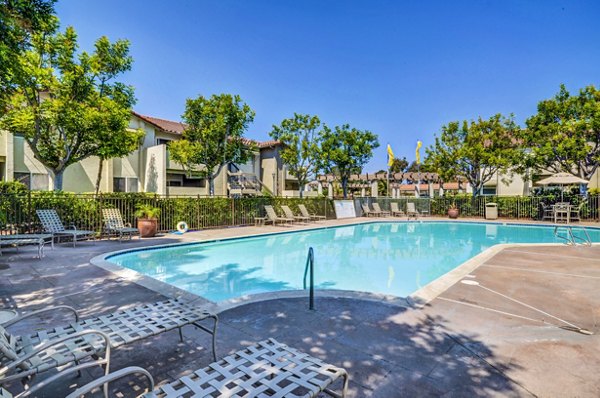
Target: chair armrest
x=45, y=346
x=37, y=312
x=128, y=225
x=112, y=377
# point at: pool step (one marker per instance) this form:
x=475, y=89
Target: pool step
x=571, y=238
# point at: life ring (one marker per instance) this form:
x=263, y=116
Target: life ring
x=182, y=227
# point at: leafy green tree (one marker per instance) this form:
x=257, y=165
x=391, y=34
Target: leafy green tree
x=67, y=104
x=345, y=151
x=475, y=150
x=300, y=140
x=19, y=21
x=214, y=136
x=399, y=165
x=414, y=167
x=564, y=135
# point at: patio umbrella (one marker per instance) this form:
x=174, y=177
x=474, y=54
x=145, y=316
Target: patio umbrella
x=562, y=179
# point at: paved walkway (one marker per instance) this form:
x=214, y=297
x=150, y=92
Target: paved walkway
x=467, y=342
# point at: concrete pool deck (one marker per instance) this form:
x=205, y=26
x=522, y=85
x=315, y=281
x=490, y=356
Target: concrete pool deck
x=468, y=341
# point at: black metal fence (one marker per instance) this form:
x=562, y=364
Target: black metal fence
x=516, y=207
x=18, y=211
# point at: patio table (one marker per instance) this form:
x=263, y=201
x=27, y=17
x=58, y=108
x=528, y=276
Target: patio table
x=562, y=212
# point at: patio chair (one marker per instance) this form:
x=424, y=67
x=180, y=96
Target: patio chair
x=265, y=369
x=290, y=214
x=113, y=224
x=396, y=210
x=305, y=213
x=52, y=224
x=367, y=210
x=377, y=209
x=576, y=212
x=274, y=218
x=547, y=212
x=17, y=240
x=411, y=211
x=22, y=357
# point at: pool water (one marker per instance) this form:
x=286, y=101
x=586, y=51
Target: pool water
x=388, y=258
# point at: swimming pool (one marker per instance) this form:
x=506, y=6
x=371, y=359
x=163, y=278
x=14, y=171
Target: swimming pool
x=392, y=258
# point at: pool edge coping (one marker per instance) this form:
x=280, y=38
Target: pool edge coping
x=417, y=299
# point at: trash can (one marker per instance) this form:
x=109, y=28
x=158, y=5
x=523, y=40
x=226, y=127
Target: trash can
x=491, y=211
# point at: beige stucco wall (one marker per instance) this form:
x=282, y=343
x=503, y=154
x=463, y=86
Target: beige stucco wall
x=155, y=170
x=270, y=165
x=81, y=176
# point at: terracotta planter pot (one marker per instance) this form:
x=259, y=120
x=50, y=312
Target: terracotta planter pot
x=453, y=213
x=147, y=226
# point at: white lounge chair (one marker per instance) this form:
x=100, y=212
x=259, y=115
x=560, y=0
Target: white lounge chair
x=52, y=224
x=274, y=218
x=377, y=208
x=22, y=357
x=367, y=210
x=266, y=369
x=113, y=224
x=290, y=214
x=305, y=213
x=411, y=211
x=396, y=210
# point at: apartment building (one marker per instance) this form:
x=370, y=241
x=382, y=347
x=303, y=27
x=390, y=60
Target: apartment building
x=150, y=169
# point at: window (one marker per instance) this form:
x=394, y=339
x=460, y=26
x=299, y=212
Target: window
x=163, y=141
x=180, y=180
x=119, y=184
x=488, y=191
x=33, y=181
x=24, y=178
x=125, y=184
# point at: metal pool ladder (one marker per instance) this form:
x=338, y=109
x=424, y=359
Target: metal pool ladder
x=310, y=263
x=571, y=238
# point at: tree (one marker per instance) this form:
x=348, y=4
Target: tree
x=564, y=135
x=475, y=150
x=345, y=151
x=214, y=135
x=398, y=165
x=300, y=140
x=19, y=20
x=414, y=167
x=66, y=105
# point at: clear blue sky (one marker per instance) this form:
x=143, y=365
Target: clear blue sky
x=401, y=69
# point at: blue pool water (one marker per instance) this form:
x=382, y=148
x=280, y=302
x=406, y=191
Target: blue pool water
x=388, y=258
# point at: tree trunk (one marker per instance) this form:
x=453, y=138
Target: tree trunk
x=99, y=178
x=345, y=187
x=211, y=186
x=58, y=180
x=301, y=188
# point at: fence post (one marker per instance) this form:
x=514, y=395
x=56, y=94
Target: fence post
x=28, y=211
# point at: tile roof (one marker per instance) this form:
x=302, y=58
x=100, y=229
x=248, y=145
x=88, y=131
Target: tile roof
x=173, y=127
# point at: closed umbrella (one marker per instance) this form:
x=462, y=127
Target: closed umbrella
x=562, y=179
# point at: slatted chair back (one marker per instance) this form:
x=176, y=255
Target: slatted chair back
x=394, y=207
x=304, y=211
x=113, y=219
x=50, y=220
x=8, y=348
x=410, y=208
x=365, y=208
x=377, y=208
x=287, y=211
x=271, y=213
